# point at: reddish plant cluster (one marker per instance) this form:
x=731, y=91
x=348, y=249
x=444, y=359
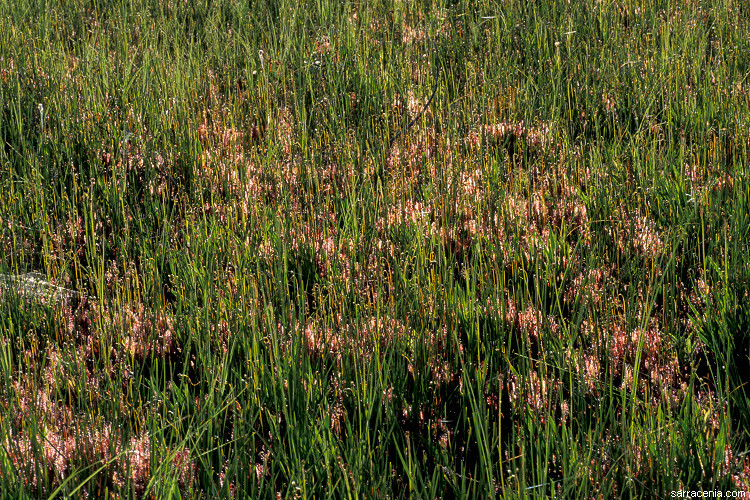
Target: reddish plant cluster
x=145, y=333
x=61, y=444
x=372, y=335
x=48, y=439
x=535, y=392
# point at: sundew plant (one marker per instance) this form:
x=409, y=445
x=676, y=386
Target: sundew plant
x=374, y=249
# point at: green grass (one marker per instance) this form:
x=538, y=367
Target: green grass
x=291, y=286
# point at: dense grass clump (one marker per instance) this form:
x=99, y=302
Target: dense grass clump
x=374, y=249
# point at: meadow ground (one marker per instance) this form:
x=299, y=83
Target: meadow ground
x=235, y=261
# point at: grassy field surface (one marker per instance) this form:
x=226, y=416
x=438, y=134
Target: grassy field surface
x=375, y=249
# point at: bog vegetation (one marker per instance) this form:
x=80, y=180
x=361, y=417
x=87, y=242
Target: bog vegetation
x=236, y=261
